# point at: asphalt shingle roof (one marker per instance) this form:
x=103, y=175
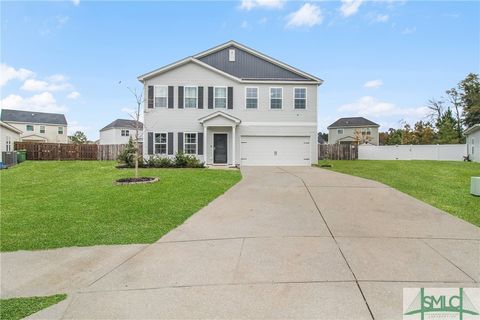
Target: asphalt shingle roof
x=352, y=122
x=32, y=117
x=123, y=123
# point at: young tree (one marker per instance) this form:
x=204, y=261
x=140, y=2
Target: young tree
x=78, y=138
x=136, y=116
x=457, y=105
x=470, y=97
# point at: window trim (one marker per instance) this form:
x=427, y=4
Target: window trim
x=122, y=131
x=185, y=97
x=196, y=142
x=306, y=98
x=155, y=143
x=155, y=95
x=8, y=143
x=29, y=125
x=63, y=130
x=226, y=97
x=338, y=131
x=258, y=97
x=42, y=129
x=270, y=98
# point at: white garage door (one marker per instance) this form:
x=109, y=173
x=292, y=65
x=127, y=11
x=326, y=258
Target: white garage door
x=273, y=150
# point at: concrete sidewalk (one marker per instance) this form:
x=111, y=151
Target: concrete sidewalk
x=291, y=242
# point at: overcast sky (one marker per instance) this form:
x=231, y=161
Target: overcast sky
x=380, y=59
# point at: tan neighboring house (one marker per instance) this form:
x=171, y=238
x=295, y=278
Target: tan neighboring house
x=120, y=131
x=8, y=135
x=37, y=126
x=354, y=130
x=473, y=142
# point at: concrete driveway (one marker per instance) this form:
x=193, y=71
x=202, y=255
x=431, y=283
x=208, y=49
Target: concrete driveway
x=290, y=242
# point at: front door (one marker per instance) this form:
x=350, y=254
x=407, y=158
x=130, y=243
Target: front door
x=220, y=148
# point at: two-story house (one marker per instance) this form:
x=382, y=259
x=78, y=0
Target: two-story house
x=37, y=126
x=120, y=131
x=232, y=105
x=354, y=130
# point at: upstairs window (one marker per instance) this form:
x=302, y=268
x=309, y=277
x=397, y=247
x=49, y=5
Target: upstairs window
x=339, y=131
x=276, y=98
x=29, y=127
x=300, y=98
x=161, y=143
x=60, y=130
x=8, y=143
x=220, y=97
x=190, y=97
x=251, y=98
x=161, y=96
x=42, y=129
x=190, y=143
x=125, y=133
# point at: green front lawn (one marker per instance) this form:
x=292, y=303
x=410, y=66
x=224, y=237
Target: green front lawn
x=18, y=308
x=443, y=184
x=52, y=204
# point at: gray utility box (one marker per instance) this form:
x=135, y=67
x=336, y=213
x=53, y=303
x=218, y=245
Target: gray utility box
x=9, y=158
x=475, y=186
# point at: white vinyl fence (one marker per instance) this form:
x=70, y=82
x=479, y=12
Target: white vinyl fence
x=452, y=152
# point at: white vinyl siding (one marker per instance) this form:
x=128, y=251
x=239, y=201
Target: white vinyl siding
x=190, y=143
x=190, y=97
x=161, y=96
x=220, y=97
x=161, y=142
x=276, y=98
x=300, y=98
x=251, y=98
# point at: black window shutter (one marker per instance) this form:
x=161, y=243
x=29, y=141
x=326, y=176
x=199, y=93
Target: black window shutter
x=210, y=97
x=200, y=143
x=230, y=98
x=180, y=97
x=180, y=142
x=170, y=143
x=150, y=143
x=150, y=97
x=170, y=97
x=200, y=97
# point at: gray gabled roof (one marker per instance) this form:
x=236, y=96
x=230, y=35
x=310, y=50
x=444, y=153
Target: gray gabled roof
x=249, y=65
x=352, y=122
x=9, y=115
x=123, y=124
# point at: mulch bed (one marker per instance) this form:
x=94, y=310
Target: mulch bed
x=139, y=180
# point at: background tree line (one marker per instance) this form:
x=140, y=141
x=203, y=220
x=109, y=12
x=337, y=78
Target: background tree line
x=448, y=117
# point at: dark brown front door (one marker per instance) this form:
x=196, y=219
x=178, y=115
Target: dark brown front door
x=220, y=148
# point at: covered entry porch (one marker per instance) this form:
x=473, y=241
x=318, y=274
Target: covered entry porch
x=219, y=138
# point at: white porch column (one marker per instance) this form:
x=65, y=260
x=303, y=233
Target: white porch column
x=205, y=147
x=233, y=145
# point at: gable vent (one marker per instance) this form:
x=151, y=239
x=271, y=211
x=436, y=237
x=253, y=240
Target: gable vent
x=231, y=55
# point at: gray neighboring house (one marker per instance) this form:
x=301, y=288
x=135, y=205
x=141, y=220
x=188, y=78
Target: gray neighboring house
x=232, y=105
x=473, y=142
x=353, y=130
x=37, y=126
x=120, y=131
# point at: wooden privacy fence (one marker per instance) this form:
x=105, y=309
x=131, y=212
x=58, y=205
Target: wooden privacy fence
x=111, y=151
x=58, y=151
x=68, y=151
x=337, y=152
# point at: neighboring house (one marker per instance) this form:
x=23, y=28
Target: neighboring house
x=37, y=126
x=120, y=131
x=473, y=142
x=232, y=105
x=8, y=135
x=355, y=130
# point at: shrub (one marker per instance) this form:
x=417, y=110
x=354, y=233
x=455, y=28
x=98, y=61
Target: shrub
x=160, y=162
x=187, y=161
x=127, y=156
